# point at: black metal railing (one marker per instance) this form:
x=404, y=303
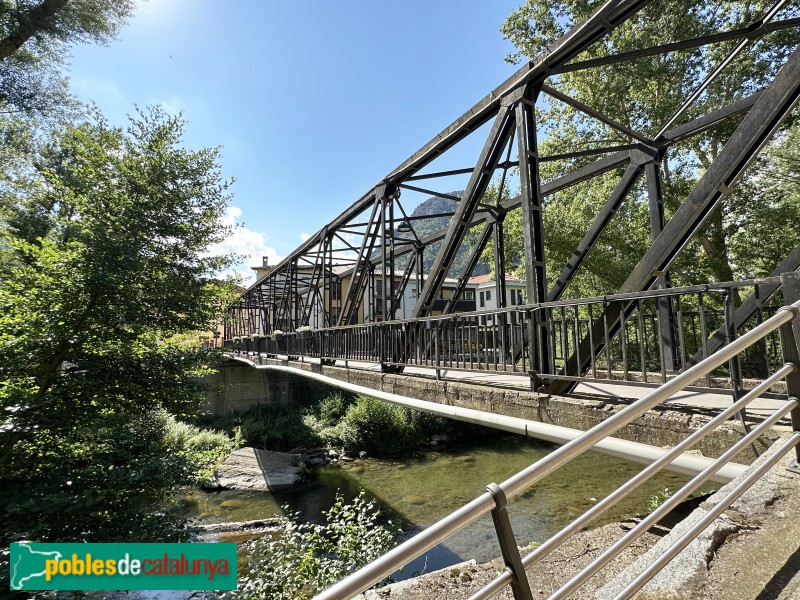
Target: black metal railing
x=642, y=338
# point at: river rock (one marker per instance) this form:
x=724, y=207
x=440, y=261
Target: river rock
x=232, y=504
x=415, y=500
x=254, y=469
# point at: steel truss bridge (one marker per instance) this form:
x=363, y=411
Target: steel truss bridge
x=647, y=326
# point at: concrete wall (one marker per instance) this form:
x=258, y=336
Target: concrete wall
x=236, y=387
x=657, y=427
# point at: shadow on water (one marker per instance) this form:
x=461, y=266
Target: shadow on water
x=423, y=488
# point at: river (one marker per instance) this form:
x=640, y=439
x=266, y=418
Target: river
x=424, y=487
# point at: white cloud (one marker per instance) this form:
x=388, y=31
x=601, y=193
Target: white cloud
x=172, y=105
x=304, y=237
x=251, y=245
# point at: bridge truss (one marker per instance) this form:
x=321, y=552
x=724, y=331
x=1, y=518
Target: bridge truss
x=382, y=244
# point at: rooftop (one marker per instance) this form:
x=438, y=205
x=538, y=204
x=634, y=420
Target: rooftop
x=479, y=279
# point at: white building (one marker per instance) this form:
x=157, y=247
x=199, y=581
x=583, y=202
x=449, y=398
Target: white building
x=486, y=291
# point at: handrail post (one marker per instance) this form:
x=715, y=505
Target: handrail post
x=790, y=346
x=508, y=544
x=534, y=349
x=734, y=368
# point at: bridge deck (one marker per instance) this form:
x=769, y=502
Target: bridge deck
x=618, y=392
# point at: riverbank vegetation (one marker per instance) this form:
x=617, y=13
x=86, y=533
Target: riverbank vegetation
x=347, y=423
x=107, y=237
x=306, y=558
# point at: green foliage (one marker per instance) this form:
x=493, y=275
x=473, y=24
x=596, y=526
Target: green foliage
x=276, y=428
x=104, y=480
x=643, y=94
x=110, y=259
x=34, y=40
x=306, y=558
x=332, y=409
x=335, y=421
x=375, y=426
x=203, y=448
x=658, y=499
x=105, y=239
x=272, y=427
x=110, y=479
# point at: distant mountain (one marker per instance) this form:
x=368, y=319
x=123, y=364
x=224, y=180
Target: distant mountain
x=434, y=206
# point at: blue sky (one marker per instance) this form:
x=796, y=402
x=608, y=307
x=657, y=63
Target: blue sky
x=312, y=102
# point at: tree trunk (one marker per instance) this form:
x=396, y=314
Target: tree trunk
x=42, y=16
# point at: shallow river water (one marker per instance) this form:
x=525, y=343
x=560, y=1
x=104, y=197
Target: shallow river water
x=423, y=488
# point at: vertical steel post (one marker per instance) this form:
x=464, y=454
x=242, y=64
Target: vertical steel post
x=532, y=229
x=391, y=307
x=381, y=193
x=734, y=366
x=508, y=544
x=500, y=279
x=790, y=345
x=655, y=196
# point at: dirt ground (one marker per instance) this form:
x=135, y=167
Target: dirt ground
x=461, y=581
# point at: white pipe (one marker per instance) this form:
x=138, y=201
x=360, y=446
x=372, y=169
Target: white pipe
x=685, y=464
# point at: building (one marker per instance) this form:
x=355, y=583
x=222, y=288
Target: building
x=371, y=309
x=486, y=291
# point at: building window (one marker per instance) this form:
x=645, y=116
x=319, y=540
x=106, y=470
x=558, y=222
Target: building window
x=469, y=295
x=488, y=295
x=481, y=295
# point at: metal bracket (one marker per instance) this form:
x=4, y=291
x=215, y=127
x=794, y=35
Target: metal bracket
x=508, y=544
x=794, y=467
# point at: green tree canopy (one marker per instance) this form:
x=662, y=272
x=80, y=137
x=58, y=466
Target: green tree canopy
x=34, y=39
x=108, y=237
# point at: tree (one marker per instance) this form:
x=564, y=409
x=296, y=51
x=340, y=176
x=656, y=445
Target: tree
x=34, y=36
x=109, y=244
x=643, y=94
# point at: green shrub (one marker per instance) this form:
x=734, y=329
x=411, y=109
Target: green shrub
x=307, y=558
x=332, y=409
x=373, y=425
x=275, y=427
x=106, y=481
x=203, y=449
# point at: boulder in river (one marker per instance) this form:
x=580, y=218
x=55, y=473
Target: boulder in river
x=254, y=469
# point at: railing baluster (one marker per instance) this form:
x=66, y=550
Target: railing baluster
x=591, y=342
x=607, y=339
x=623, y=335
x=703, y=331
x=642, y=348
x=681, y=338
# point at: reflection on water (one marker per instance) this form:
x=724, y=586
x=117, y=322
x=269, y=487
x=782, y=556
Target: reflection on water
x=423, y=488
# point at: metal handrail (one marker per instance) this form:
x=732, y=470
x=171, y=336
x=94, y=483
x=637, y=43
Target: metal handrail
x=632, y=484
x=712, y=514
x=516, y=484
x=638, y=344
